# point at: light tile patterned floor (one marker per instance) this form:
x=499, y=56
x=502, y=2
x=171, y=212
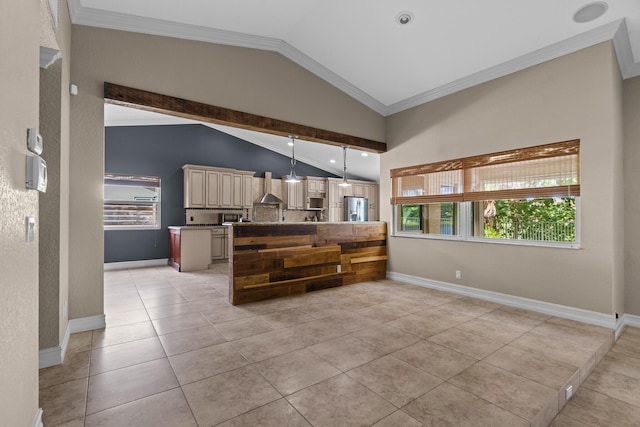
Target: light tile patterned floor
x=175, y=353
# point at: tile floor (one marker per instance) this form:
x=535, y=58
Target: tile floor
x=383, y=353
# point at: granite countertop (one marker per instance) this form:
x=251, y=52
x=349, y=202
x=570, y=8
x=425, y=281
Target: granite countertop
x=195, y=227
x=306, y=223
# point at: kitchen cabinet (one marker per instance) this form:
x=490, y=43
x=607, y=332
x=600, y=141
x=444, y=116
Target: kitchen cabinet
x=293, y=194
x=174, y=248
x=357, y=189
x=315, y=192
x=189, y=248
x=247, y=191
x=316, y=185
x=219, y=243
x=211, y=187
x=371, y=193
x=335, y=196
x=194, y=188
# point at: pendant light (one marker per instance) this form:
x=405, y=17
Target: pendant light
x=344, y=182
x=292, y=177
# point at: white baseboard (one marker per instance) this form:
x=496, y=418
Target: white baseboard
x=580, y=315
x=135, y=264
x=627, y=320
x=37, y=420
x=87, y=323
x=55, y=355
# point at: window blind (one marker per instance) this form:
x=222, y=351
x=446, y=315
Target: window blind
x=551, y=170
x=130, y=214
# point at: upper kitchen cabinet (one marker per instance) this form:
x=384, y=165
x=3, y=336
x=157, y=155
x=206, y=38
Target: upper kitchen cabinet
x=315, y=193
x=293, y=193
x=195, y=187
x=211, y=187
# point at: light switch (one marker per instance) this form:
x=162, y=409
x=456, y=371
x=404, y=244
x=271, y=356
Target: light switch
x=31, y=228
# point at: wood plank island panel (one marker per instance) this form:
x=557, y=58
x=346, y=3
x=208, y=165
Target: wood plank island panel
x=270, y=260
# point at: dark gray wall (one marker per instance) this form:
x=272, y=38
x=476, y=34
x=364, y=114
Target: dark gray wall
x=161, y=151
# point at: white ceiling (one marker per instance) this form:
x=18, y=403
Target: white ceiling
x=311, y=153
x=358, y=46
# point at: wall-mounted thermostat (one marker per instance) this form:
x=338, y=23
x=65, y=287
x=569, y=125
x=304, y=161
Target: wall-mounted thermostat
x=36, y=173
x=34, y=141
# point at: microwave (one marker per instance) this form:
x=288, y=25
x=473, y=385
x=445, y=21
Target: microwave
x=230, y=217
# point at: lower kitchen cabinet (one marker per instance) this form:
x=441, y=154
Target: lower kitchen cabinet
x=189, y=248
x=219, y=243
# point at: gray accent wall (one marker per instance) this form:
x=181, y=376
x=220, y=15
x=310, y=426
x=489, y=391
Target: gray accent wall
x=161, y=151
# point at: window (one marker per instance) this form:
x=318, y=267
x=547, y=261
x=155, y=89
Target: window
x=131, y=202
x=524, y=195
x=429, y=218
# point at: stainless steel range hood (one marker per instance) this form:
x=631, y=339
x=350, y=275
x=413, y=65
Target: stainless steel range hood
x=268, y=198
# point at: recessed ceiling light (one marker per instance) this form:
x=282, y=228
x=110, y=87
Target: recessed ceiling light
x=365, y=154
x=290, y=144
x=332, y=161
x=590, y=12
x=404, y=18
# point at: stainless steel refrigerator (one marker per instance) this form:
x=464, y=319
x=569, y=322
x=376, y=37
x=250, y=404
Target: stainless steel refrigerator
x=356, y=208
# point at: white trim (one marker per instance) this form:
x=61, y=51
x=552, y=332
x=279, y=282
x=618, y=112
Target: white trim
x=627, y=320
x=138, y=24
x=87, y=323
x=55, y=355
x=622, y=45
x=48, y=56
x=616, y=31
x=556, y=50
x=580, y=315
x=135, y=264
x=37, y=420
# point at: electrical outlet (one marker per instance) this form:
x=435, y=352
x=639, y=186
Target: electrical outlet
x=568, y=392
x=458, y=274
x=65, y=313
x=339, y=269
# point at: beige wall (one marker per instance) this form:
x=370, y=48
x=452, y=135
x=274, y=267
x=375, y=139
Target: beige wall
x=249, y=80
x=54, y=204
x=19, y=50
x=576, y=96
x=632, y=190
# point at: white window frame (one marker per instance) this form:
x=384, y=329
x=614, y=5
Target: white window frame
x=465, y=221
x=158, y=222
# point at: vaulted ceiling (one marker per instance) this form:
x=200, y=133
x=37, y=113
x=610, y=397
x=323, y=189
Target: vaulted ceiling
x=360, y=47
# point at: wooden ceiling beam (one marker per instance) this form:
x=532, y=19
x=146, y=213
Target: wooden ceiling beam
x=158, y=103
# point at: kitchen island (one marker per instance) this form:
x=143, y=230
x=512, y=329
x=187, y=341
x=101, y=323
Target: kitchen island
x=269, y=260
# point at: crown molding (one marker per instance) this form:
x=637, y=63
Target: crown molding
x=616, y=31
x=81, y=15
x=556, y=50
x=628, y=67
x=48, y=56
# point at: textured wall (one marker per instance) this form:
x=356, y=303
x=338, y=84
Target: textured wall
x=19, y=50
x=632, y=191
x=576, y=96
x=248, y=80
x=54, y=204
x=49, y=248
x=161, y=151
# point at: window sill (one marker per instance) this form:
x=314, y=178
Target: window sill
x=561, y=245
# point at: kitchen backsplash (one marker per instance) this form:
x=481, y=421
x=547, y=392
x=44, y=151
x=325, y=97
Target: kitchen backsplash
x=207, y=216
